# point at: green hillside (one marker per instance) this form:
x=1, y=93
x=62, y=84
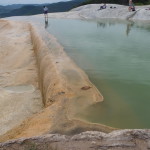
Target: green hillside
x=3, y=9
x=33, y=10
x=8, y=8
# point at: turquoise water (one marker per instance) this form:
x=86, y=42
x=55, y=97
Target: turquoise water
x=116, y=57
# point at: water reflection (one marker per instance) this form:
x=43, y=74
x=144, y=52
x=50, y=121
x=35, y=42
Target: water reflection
x=101, y=24
x=117, y=61
x=129, y=26
x=110, y=22
x=46, y=24
x=106, y=23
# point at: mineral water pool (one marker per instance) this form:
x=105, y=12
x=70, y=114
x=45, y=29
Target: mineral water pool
x=116, y=57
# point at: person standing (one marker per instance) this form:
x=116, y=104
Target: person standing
x=130, y=5
x=45, y=9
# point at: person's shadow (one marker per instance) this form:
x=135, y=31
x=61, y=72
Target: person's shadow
x=46, y=23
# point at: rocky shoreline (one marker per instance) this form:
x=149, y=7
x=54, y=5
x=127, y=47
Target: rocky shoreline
x=63, y=88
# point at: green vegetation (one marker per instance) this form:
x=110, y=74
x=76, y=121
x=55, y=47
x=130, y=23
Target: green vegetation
x=123, y=2
x=27, y=10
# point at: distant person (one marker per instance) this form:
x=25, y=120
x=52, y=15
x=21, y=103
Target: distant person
x=45, y=9
x=102, y=7
x=147, y=9
x=131, y=6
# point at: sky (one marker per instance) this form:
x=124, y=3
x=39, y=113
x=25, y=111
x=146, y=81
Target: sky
x=9, y=2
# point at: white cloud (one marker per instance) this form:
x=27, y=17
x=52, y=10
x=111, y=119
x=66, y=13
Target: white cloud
x=9, y=2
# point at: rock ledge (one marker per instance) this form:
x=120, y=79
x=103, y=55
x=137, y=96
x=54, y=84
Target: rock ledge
x=90, y=140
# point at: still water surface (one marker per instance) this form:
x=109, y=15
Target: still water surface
x=116, y=57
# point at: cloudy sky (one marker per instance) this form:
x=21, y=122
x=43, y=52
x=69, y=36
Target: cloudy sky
x=9, y=2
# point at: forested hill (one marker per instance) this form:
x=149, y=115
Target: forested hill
x=38, y=9
x=8, y=8
x=123, y=2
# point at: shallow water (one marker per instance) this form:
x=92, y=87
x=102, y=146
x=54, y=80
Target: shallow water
x=116, y=57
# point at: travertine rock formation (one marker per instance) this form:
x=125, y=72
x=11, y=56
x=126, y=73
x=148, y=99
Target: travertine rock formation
x=117, y=140
x=92, y=11
x=20, y=96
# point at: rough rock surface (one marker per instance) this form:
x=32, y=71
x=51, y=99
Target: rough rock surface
x=91, y=140
x=20, y=96
x=92, y=11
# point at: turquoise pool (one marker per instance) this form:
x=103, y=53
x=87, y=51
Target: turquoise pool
x=116, y=57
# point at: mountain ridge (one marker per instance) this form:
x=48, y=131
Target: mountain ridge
x=33, y=9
